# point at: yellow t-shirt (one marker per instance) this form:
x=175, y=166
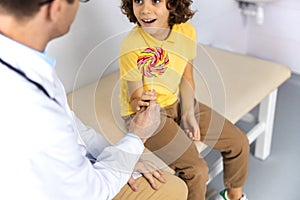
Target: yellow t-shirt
x=181, y=48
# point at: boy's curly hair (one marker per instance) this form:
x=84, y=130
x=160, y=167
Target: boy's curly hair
x=180, y=11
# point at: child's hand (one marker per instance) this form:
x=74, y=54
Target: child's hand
x=191, y=126
x=147, y=96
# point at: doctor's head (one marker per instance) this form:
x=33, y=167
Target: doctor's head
x=27, y=8
x=52, y=18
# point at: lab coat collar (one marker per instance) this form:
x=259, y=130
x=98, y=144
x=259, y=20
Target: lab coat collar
x=25, y=59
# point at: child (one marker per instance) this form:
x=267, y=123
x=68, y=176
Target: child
x=163, y=23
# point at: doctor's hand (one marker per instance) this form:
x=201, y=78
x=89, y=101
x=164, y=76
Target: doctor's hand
x=150, y=172
x=146, y=121
x=191, y=126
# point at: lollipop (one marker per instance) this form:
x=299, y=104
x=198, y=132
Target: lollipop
x=153, y=62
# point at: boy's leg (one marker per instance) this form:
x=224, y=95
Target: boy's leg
x=221, y=134
x=172, y=145
x=173, y=189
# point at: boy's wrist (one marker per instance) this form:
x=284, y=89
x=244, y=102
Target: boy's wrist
x=187, y=111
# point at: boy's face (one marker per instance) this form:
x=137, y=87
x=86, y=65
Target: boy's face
x=152, y=15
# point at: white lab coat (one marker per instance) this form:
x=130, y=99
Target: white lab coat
x=41, y=157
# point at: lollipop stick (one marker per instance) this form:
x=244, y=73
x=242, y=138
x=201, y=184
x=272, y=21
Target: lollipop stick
x=152, y=82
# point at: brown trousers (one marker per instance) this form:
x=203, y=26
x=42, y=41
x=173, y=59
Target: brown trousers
x=171, y=144
x=173, y=189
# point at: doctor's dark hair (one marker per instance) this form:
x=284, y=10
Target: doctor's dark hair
x=23, y=8
x=180, y=11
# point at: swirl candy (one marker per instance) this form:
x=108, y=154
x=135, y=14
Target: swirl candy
x=153, y=62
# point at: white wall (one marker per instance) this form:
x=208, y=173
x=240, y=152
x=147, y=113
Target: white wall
x=91, y=48
x=279, y=37
x=219, y=23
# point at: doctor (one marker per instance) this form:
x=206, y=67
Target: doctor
x=46, y=152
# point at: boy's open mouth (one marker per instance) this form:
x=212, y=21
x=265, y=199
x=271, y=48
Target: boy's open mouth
x=148, y=21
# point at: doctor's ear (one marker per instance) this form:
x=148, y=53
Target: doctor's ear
x=53, y=7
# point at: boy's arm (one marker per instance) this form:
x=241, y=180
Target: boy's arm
x=138, y=97
x=187, y=88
